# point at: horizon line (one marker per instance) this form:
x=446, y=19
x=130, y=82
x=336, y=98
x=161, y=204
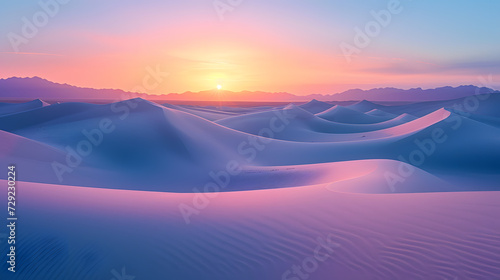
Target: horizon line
x=242, y=91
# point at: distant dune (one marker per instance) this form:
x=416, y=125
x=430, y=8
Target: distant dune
x=346, y=115
x=314, y=106
x=12, y=108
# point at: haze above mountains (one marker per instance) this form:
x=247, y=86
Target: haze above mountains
x=35, y=87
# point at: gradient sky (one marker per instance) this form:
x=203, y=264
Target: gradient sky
x=268, y=45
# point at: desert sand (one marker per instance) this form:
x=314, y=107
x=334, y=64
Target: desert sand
x=303, y=191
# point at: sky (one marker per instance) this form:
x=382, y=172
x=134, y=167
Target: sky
x=296, y=46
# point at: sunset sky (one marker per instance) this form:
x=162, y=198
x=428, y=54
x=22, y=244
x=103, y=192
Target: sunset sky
x=267, y=45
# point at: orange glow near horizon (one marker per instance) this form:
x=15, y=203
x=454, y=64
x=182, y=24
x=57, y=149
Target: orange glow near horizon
x=254, y=49
x=267, y=69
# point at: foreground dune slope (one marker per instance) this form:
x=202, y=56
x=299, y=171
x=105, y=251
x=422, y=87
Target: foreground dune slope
x=256, y=235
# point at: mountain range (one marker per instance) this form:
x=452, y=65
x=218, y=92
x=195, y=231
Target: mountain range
x=35, y=87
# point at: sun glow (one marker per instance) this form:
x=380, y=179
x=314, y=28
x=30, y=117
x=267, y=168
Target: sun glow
x=219, y=87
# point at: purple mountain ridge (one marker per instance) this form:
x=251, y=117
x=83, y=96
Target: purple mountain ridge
x=35, y=87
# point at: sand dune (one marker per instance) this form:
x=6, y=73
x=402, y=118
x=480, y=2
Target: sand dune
x=176, y=150
x=314, y=106
x=264, y=234
x=306, y=127
x=209, y=114
x=12, y=108
x=167, y=140
x=382, y=191
x=480, y=104
x=364, y=106
x=345, y=115
x=380, y=113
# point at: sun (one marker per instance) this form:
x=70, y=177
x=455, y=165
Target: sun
x=219, y=87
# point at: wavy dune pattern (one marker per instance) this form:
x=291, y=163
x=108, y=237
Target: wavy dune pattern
x=319, y=190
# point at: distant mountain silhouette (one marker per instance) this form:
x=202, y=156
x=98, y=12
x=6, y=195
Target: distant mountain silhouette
x=35, y=87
